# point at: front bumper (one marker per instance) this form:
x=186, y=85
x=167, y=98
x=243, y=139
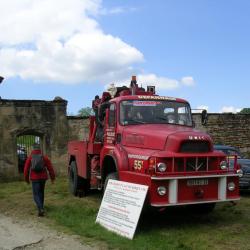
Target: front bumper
x=180, y=192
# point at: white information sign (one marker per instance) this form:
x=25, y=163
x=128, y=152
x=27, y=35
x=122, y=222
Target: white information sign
x=121, y=207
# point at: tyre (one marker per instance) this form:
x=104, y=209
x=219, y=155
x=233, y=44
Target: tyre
x=111, y=176
x=73, y=178
x=78, y=186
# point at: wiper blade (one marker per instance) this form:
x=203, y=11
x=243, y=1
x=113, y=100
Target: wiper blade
x=135, y=121
x=161, y=118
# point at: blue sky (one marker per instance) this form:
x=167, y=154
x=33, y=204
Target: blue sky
x=197, y=50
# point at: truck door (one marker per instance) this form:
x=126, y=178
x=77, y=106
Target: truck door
x=111, y=125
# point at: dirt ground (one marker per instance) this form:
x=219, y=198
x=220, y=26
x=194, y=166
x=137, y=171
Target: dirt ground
x=33, y=234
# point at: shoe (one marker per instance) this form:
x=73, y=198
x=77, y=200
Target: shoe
x=41, y=213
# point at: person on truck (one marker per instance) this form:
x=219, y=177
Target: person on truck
x=171, y=118
x=104, y=104
x=95, y=104
x=182, y=119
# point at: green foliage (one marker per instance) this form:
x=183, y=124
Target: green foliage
x=245, y=111
x=87, y=111
x=26, y=140
x=227, y=227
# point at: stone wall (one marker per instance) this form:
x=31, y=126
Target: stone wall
x=46, y=119
x=227, y=128
x=78, y=127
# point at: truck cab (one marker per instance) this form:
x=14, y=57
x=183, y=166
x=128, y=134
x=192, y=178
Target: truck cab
x=149, y=139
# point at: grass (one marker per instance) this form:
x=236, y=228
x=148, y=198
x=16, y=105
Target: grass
x=227, y=227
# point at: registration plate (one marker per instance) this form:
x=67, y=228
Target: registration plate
x=197, y=182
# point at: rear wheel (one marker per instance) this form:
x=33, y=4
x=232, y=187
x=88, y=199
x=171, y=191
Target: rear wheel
x=77, y=186
x=73, y=178
x=111, y=176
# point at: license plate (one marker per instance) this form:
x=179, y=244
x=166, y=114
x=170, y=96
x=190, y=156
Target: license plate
x=197, y=182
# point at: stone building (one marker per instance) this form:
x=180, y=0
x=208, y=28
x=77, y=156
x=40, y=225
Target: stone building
x=46, y=120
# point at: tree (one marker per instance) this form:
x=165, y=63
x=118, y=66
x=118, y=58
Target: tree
x=245, y=111
x=87, y=111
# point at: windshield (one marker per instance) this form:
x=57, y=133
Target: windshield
x=155, y=112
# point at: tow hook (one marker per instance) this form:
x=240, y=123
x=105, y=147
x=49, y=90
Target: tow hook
x=199, y=193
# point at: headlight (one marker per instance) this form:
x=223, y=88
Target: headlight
x=161, y=190
x=231, y=186
x=240, y=172
x=161, y=167
x=223, y=165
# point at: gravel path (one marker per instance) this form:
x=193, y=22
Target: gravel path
x=18, y=234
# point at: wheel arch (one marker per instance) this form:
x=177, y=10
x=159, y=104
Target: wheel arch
x=71, y=159
x=109, y=165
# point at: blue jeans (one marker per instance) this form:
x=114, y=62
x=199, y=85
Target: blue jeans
x=38, y=193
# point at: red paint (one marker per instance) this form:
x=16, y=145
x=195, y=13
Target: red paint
x=235, y=193
x=190, y=193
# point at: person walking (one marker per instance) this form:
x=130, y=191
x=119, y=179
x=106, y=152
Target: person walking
x=36, y=170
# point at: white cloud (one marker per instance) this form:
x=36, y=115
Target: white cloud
x=230, y=109
x=188, y=81
x=67, y=45
x=61, y=41
x=159, y=82
x=81, y=58
x=203, y=107
x=116, y=10
x=150, y=79
x=27, y=21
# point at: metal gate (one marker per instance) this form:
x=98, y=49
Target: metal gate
x=24, y=148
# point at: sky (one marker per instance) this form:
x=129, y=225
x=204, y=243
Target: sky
x=193, y=49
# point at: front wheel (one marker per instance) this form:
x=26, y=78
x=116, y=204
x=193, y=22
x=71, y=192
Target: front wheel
x=111, y=176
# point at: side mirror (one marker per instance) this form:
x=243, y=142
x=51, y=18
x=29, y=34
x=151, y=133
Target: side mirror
x=204, y=117
x=1, y=79
x=106, y=116
x=193, y=124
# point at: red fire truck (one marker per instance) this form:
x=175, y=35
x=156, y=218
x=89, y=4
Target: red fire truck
x=139, y=137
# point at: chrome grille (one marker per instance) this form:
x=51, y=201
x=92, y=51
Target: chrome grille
x=194, y=164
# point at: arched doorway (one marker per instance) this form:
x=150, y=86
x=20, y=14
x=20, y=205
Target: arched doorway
x=24, y=145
